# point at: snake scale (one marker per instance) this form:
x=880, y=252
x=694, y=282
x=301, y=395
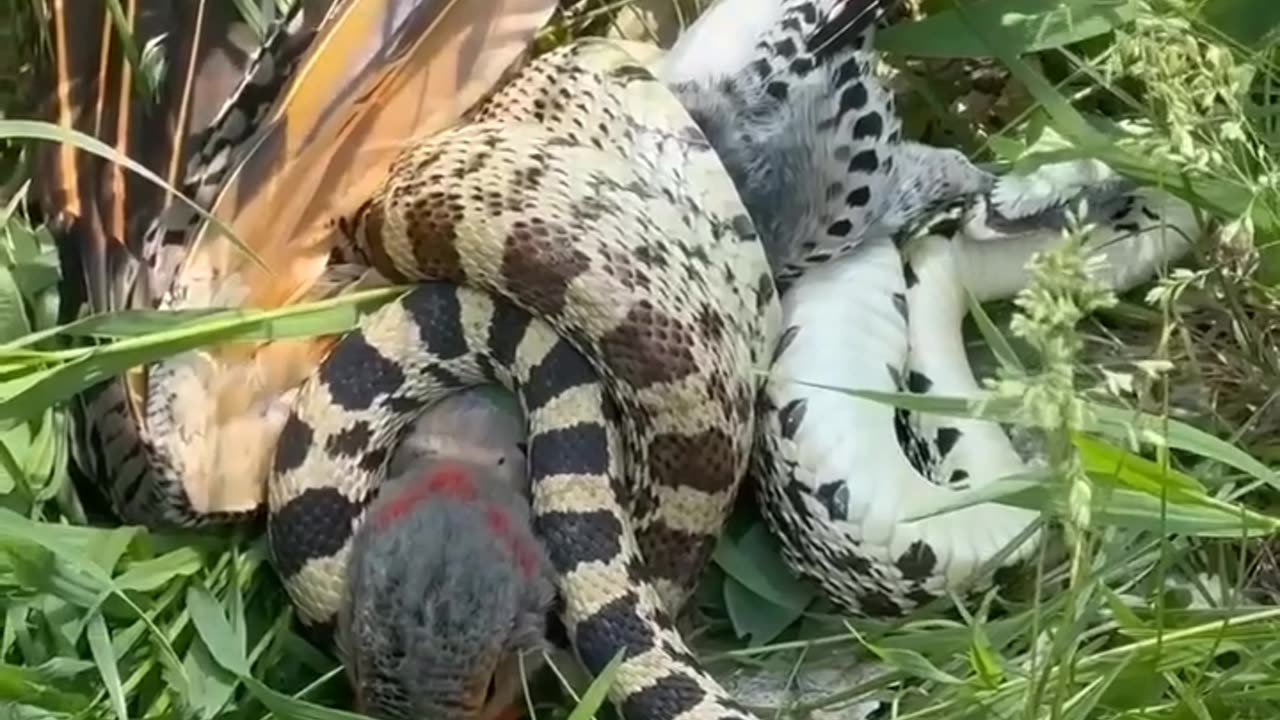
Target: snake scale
x=593, y=239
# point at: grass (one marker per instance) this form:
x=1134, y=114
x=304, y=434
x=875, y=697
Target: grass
x=1158, y=602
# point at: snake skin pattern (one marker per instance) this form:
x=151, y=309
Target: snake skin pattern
x=606, y=273
x=891, y=315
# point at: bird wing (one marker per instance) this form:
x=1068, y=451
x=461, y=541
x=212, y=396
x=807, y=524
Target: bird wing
x=102, y=83
x=373, y=75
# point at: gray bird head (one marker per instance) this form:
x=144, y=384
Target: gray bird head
x=448, y=586
x=482, y=426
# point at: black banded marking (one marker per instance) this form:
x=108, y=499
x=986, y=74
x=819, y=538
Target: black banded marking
x=437, y=311
x=356, y=373
x=616, y=625
x=312, y=526
x=573, y=538
x=581, y=449
x=669, y=697
x=561, y=369
x=507, y=329
x=293, y=444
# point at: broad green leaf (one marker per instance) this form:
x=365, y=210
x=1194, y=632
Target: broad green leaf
x=152, y=327
x=753, y=616
x=13, y=319
x=61, y=541
x=214, y=630
x=21, y=398
x=111, y=545
x=1083, y=704
x=16, y=630
x=239, y=629
x=61, y=668
x=285, y=707
x=1212, y=518
x=997, y=409
x=33, y=687
x=152, y=574
x=35, y=280
x=1022, y=490
x=211, y=684
x=1134, y=471
x=1207, y=517
x=912, y=663
x=595, y=695
x=1116, y=422
x=999, y=344
x=755, y=560
x=1122, y=613
x=984, y=660
x=13, y=444
x=1137, y=685
x=1125, y=424
x=43, y=453
x=44, y=571
x=1019, y=26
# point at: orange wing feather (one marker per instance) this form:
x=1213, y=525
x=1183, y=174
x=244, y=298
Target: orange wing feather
x=96, y=210
x=97, y=213
x=378, y=74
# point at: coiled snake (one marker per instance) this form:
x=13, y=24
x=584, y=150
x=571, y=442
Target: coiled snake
x=623, y=238
x=579, y=241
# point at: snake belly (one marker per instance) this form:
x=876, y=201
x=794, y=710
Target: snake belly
x=840, y=475
x=606, y=273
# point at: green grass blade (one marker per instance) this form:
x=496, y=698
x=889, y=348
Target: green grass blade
x=215, y=631
x=26, y=395
x=598, y=691
x=100, y=645
x=41, y=130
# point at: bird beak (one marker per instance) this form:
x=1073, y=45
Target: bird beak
x=497, y=710
x=506, y=701
x=510, y=712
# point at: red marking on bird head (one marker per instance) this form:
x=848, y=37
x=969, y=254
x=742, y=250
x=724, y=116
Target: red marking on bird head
x=500, y=525
x=448, y=480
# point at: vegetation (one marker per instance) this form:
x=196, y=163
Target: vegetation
x=1157, y=412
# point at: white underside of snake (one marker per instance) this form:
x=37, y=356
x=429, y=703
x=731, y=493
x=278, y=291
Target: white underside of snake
x=595, y=257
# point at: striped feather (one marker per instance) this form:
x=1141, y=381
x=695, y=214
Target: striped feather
x=376, y=74
x=98, y=213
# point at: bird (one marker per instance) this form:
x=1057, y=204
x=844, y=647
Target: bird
x=810, y=138
x=356, y=75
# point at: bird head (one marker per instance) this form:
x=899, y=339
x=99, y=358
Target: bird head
x=448, y=591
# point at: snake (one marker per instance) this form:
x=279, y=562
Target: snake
x=602, y=239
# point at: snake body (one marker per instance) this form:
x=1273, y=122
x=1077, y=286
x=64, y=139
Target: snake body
x=609, y=276
x=839, y=475
x=610, y=247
